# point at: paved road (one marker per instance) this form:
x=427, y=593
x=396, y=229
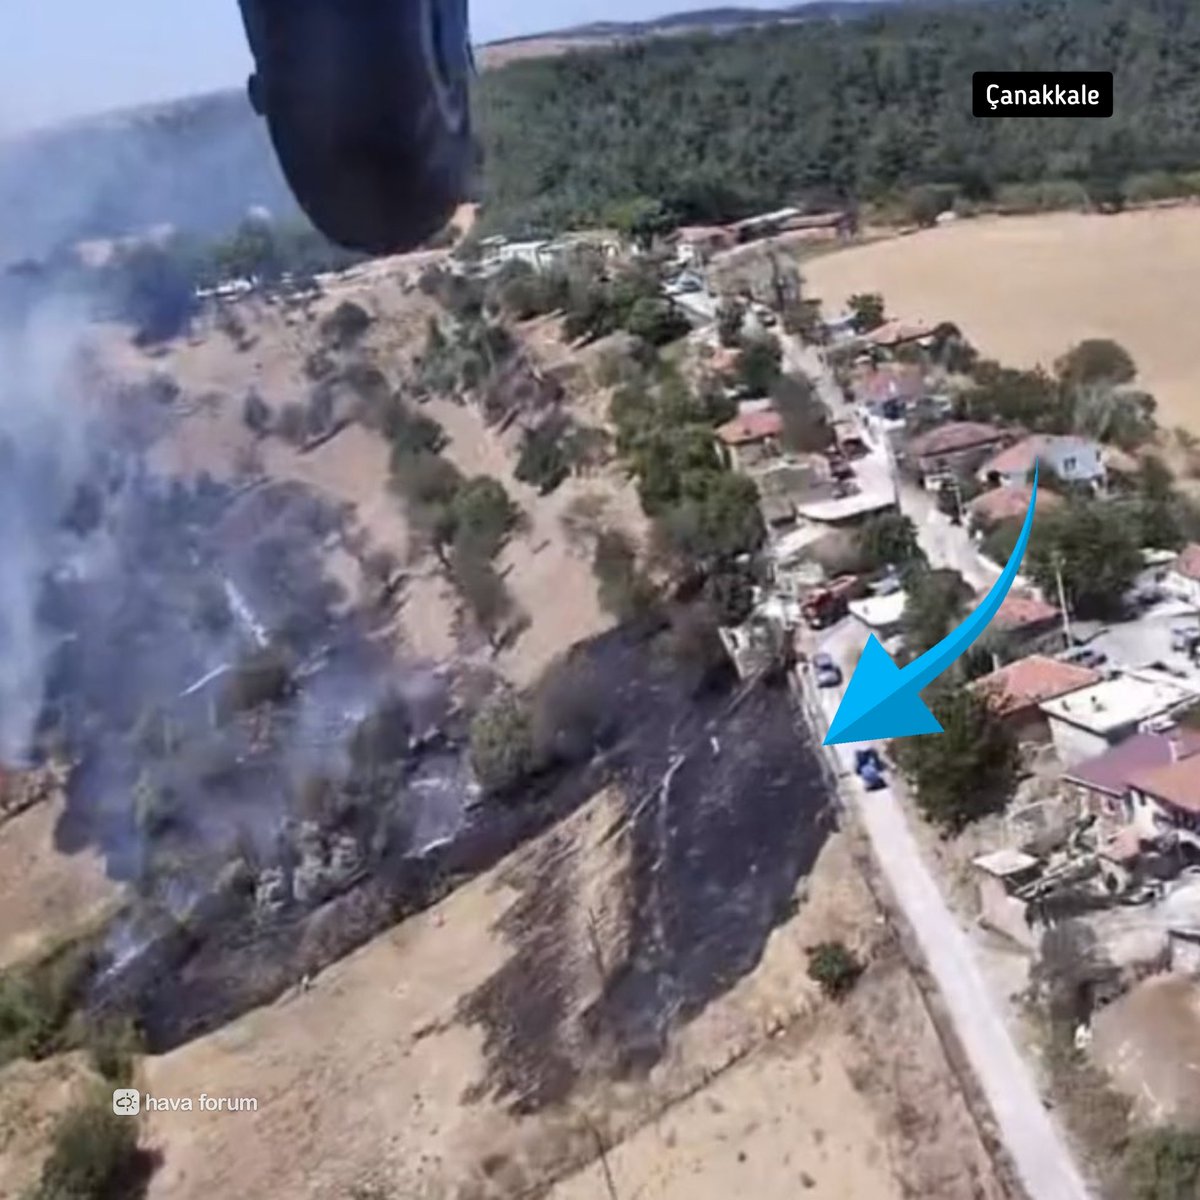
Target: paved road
x=1030, y=1134
x=1042, y=1158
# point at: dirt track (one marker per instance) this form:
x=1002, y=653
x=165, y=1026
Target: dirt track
x=1023, y=289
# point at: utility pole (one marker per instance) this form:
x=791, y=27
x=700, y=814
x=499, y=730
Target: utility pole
x=1062, y=599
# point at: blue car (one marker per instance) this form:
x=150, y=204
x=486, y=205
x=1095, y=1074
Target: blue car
x=868, y=766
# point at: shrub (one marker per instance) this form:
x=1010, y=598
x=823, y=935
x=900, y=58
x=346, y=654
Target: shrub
x=543, y=460
x=623, y=590
x=834, y=968
x=94, y=1155
x=256, y=414
x=483, y=515
x=502, y=743
x=346, y=324
x=1164, y=1164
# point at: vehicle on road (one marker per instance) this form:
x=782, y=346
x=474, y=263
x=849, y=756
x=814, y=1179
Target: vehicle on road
x=826, y=672
x=1185, y=637
x=868, y=766
x=825, y=605
x=1085, y=656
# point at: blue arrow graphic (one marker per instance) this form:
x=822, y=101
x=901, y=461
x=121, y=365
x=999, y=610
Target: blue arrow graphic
x=881, y=699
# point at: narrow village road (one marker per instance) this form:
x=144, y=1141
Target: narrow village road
x=1041, y=1156
x=1043, y=1160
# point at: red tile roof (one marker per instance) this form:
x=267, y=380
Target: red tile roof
x=1020, y=456
x=891, y=381
x=954, y=435
x=750, y=427
x=1006, y=503
x=1028, y=681
x=1188, y=562
x=1177, y=783
x=1021, y=610
x=1111, y=771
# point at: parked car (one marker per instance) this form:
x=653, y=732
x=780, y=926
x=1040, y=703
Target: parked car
x=1185, y=637
x=826, y=671
x=1085, y=656
x=868, y=766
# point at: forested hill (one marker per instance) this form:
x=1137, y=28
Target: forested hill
x=705, y=126
x=717, y=127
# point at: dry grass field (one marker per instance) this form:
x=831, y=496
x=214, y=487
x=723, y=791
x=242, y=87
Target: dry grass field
x=1025, y=288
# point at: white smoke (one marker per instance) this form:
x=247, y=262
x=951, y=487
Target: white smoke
x=43, y=460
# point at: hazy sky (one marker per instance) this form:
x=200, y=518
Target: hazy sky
x=61, y=58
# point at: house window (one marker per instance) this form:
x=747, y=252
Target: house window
x=1069, y=464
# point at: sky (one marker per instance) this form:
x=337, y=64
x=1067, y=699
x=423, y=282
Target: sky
x=67, y=58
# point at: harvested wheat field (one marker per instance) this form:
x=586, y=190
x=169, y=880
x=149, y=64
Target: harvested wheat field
x=1023, y=289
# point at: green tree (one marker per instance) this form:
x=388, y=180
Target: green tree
x=1163, y=1164
x=968, y=770
x=834, y=968
x=935, y=601
x=806, y=427
x=483, y=515
x=759, y=364
x=1096, y=360
x=623, y=589
x=657, y=321
x=926, y=202
x=154, y=288
x=731, y=313
x=868, y=311
x=718, y=518
x=729, y=591
x=1095, y=550
x=502, y=749
x=888, y=539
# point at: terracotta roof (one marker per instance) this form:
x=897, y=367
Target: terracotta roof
x=954, y=435
x=893, y=333
x=1188, y=562
x=1177, y=783
x=891, y=381
x=1021, y=610
x=1111, y=771
x=750, y=427
x=704, y=233
x=1006, y=503
x=1028, y=681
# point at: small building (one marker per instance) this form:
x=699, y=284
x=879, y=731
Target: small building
x=1028, y=624
x=882, y=615
x=535, y=254
x=999, y=875
x=790, y=481
x=887, y=390
x=1015, y=692
x=750, y=438
x=1009, y=503
x=1072, y=459
x=956, y=448
x=1166, y=799
x=1100, y=785
x=1085, y=723
x=696, y=244
x=1182, y=579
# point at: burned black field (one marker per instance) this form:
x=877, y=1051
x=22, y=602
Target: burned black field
x=277, y=784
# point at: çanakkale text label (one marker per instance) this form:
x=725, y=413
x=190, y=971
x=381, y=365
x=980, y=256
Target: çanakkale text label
x=1042, y=93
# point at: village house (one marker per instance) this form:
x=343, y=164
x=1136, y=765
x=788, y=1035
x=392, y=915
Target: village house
x=1072, y=459
x=956, y=448
x=1085, y=723
x=1182, y=579
x=889, y=389
x=789, y=481
x=1008, y=504
x=1166, y=800
x=999, y=875
x=751, y=439
x=1014, y=692
x=696, y=244
x=1100, y=785
x=1026, y=624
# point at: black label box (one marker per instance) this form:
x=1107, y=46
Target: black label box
x=1042, y=93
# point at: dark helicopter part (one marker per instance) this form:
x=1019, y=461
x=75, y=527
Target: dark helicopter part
x=368, y=105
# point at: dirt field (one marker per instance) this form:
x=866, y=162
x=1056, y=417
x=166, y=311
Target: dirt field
x=376, y=1078
x=550, y=580
x=1023, y=289
x=46, y=896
